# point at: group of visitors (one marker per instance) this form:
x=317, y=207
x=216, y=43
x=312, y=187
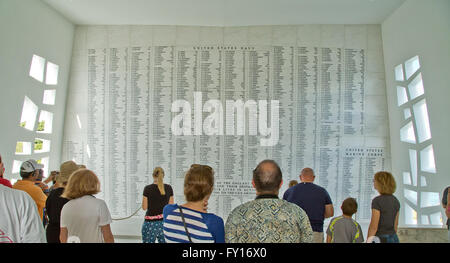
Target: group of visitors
x=75, y=215
x=298, y=217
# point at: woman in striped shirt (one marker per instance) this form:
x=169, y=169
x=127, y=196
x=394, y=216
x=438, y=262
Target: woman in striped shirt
x=190, y=222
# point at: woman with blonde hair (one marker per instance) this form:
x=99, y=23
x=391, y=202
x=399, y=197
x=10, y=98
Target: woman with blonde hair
x=84, y=219
x=155, y=197
x=293, y=183
x=385, y=209
x=190, y=222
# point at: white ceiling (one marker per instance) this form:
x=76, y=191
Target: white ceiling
x=224, y=12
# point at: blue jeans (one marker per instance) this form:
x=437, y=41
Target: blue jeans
x=152, y=230
x=389, y=238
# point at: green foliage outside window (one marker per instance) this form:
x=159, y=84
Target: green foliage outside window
x=19, y=147
x=38, y=144
x=41, y=126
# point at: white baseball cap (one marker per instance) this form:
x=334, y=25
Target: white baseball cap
x=30, y=166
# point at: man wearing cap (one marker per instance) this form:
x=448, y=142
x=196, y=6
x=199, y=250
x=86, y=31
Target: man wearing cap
x=55, y=202
x=29, y=172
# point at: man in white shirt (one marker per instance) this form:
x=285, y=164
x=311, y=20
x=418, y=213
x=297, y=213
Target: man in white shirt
x=19, y=218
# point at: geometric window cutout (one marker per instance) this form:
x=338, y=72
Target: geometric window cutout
x=399, y=73
x=422, y=121
x=29, y=112
x=423, y=181
x=51, y=77
x=44, y=161
x=413, y=163
x=16, y=167
x=416, y=87
x=424, y=220
x=88, y=151
x=13, y=181
x=406, y=178
x=407, y=113
x=411, y=196
x=41, y=145
x=49, y=97
x=428, y=199
x=411, y=66
x=407, y=133
x=410, y=215
x=23, y=148
x=436, y=219
x=45, y=122
x=79, y=121
x=402, y=97
x=427, y=163
x=37, y=68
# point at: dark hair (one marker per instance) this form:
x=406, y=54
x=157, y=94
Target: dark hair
x=267, y=180
x=40, y=174
x=26, y=175
x=349, y=206
x=3, y=167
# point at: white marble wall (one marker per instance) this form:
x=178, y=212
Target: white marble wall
x=423, y=235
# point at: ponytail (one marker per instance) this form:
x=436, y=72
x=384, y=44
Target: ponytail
x=158, y=173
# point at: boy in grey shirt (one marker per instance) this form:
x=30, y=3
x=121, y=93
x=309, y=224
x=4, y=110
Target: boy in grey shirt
x=343, y=229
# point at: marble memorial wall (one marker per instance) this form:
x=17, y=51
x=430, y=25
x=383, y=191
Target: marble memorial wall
x=328, y=79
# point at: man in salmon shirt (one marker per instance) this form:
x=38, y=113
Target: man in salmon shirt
x=29, y=172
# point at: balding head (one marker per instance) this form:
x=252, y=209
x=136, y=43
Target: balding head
x=307, y=175
x=267, y=177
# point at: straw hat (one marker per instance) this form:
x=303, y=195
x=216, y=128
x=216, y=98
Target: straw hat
x=66, y=169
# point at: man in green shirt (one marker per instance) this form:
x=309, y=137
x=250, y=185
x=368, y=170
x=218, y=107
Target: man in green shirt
x=268, y=219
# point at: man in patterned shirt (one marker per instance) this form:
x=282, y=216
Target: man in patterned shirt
x=268, y=219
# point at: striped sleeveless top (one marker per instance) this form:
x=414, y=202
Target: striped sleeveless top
x=202, y=227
